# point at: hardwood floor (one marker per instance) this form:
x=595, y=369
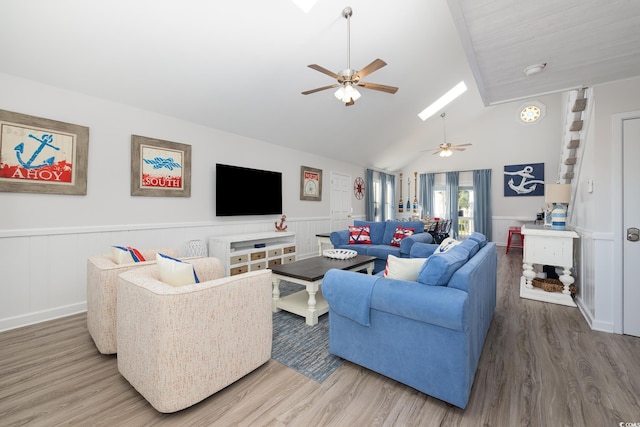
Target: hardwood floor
x=541, y=366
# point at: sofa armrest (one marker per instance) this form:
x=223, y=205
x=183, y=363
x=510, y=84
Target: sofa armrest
x=422, y=250
x=407, y=243
x=353, y=295
x=339, y=238
x=349, y=294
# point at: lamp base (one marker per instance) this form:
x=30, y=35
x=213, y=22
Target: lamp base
x=559, y=217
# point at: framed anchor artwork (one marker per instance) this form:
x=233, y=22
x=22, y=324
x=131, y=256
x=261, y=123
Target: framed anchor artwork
x=524, y=180
x=39, y=155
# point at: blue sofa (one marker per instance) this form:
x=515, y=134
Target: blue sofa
x=427, y=336
x=381, y=235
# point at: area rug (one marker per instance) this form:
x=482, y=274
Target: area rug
x=302, y=347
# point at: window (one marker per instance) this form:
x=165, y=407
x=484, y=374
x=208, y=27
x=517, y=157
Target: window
x=382, y=198
x=465, y=211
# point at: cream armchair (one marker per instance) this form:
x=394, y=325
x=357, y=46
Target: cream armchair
x=102, y=282
x=179, y=345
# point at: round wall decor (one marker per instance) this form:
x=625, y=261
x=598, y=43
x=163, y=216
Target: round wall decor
x=358, y=188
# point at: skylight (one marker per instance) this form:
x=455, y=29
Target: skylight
x=305, y=5
x=445, y=99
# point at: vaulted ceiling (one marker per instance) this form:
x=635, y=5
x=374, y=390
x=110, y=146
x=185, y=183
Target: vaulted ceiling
x=240, y=66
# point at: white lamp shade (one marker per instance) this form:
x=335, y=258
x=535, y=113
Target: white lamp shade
x=557, y=193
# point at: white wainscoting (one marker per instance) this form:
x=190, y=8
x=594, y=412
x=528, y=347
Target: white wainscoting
x=43, y=271
x=501, y=224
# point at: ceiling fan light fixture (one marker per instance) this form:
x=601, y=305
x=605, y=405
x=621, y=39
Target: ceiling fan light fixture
x=446, y=153
x=347, y=93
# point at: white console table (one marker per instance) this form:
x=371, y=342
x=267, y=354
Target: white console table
x=543, y=245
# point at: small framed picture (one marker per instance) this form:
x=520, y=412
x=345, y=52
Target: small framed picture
x=160, y=168
x=42, y=156
x=310, y=183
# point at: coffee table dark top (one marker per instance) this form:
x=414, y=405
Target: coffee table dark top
x=313, y=269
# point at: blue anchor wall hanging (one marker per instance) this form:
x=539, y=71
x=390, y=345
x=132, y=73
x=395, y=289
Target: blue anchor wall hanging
x=45, y=141
x=524, y=180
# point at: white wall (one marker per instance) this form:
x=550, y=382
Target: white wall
x=45, y=239
x=500, y=139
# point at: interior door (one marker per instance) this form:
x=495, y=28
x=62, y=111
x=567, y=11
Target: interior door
x=340, y=201
x=631, y=225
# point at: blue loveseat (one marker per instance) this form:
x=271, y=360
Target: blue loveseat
x=381, y=234
x=427, y=336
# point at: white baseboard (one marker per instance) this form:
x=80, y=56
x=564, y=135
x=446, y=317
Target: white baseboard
x=41, y=316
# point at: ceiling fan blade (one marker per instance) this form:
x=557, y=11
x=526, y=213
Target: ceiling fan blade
x=375, y=65
x=323, y=70
x=437, y=151
x=461, y=145
x=455, y=148
x=375, y=86
x=307, y=92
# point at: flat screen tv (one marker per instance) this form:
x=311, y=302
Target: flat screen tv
x=245, y=191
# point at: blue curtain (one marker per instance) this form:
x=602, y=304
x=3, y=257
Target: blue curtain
x=426, y=193
x=390, y=209
x=369, y=198
x=382, y=206
x=482, y=217
x=452, y=193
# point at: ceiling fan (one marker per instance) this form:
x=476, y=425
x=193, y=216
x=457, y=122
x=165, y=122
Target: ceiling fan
x=446, y=149
x=348, y=79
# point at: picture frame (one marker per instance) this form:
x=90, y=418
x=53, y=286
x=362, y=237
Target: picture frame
x=524, y=180
x=39, y=155
x=310, y=183
x=160, y=168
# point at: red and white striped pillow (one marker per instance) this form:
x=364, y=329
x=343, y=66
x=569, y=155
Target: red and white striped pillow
x=359, y=235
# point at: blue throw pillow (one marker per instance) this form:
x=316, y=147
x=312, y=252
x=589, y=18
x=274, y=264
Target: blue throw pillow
x=439, y=268
x=473, y=246
x=479, y=237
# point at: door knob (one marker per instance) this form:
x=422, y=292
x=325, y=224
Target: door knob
x=633, y=234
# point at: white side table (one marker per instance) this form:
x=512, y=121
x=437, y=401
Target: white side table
x=542, y=245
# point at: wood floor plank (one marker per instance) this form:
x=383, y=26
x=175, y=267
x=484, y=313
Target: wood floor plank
x=541, y=366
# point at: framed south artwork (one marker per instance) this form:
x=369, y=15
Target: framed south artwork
x=39, y=155
x=310, y=183
x=160, y=168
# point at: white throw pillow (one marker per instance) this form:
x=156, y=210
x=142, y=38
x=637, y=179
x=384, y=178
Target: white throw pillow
x=446, y=244
x=403, y=268
x=126, y=255
x=175, y=272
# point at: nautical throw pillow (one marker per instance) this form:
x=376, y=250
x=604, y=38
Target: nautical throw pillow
x=400, y=234
x=403, y=268
x=126, y=255
x=175, y=272
x=359, y=235
x=446, y=244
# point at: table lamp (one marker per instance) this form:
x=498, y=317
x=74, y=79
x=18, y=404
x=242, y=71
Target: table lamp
x=559, y=195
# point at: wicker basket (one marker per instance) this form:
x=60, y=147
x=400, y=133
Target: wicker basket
x=551, y=285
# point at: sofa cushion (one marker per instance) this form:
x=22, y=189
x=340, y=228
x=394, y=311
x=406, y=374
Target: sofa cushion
x=403, y=268
x=439, y=268
x=376, y=230
x=126, y=255
x=359, y=235
x=382, y=251
x=446, y=244
x=473, y=246
x=174, y=272
x=400, y=234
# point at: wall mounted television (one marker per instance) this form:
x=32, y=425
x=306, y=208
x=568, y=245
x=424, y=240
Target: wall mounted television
x=246, y=191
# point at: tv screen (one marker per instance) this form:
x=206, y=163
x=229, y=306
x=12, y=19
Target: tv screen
x=245, y=191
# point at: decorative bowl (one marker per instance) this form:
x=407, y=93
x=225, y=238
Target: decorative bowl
x=339, y=253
